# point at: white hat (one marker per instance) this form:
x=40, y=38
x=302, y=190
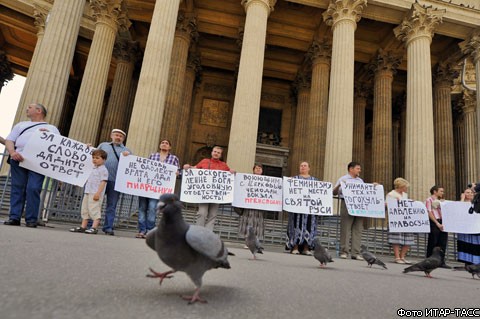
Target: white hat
x=117, y=130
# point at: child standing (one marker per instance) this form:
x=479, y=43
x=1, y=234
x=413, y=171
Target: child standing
x=94, y=191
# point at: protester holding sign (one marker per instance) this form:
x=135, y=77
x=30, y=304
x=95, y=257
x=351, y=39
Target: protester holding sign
x=349, y=225
x=468, y=245
x=114, y=150
x=147, y=207
x=26, y=184
x=302, y=228
x=436, y=237
x=401, y=242
x=207, y=212
x=251, y=217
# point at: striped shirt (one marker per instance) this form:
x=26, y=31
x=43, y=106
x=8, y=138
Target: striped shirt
x=112, y=162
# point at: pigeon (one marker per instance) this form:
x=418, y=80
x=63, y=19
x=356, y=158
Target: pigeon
x=429, y=264
x=253, y=243
x=183, y=247
x=321, y=254
x=473, y=269
x=371, y=258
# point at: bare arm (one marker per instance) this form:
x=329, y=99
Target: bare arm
x=100, y=190
x=10, y=145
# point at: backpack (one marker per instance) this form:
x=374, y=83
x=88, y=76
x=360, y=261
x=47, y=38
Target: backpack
x=475, y=204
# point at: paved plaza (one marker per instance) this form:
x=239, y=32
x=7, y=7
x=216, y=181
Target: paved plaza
x=48, y=272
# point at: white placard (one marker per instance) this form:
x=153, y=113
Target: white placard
x=457, y=219
x=207, y=186
x=407, y=216
x=58, y=157
x=258, y=192
x=364, y=200
x=145, y=177
x=305, y=196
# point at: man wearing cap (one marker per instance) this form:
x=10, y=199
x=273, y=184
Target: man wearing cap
x=114, y=150
x=26, y=185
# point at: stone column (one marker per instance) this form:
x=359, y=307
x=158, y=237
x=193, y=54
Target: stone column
x=88, y=111
x=192, y=76
x=125, y=52
x=149, y=102
x=242, y=144
x=342, y=16
x=459, y=148
x=48, y=76
x=471, y=46
x=396, y=154
x=320, y=54
x=359, y=105
x=471, y=136
x=300, y=137
x=416, y=31
x=383, y=67
x=6, y=73
x=40, y=15
x=443, y=127
x=185, y=31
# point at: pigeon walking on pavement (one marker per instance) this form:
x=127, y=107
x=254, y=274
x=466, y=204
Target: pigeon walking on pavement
x=473, y=269
x=253, y=243
x=370, y=258
x=321, y=254
x=182, y=247
x=429, y=264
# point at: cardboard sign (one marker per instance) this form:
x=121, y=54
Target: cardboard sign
x=258, y=192
x=305, y=196
x=407, y=216
x=58, y=157
x=145, y=177
x=457, y=219
x=364, y=200
x=207, y=186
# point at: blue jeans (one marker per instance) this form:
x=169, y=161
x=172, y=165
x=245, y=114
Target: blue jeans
x=112, y=199
x=147, y=207
x=26, y=186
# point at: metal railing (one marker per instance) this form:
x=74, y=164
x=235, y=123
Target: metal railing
x=60, y=203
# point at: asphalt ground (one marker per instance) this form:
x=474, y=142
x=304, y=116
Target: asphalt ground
x=48, y=272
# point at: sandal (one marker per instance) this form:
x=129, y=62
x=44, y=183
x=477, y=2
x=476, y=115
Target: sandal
x=77, y=230
x=295, y=252
x=92, y=231
x=307, y=253
x=140, y=235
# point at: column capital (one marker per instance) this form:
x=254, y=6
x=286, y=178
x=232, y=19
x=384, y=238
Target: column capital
x=339, y=10
x=361, y=90
x=126, y=50
x=6, y=73
x=471, y=46
x=187, y=24
x=40, y=14
x=420, y=21
x=269, y=4
x=385, y=61
x=320, y=52
x=469, y=101
x=109, y=12
x=303, y=80
x=444, y=74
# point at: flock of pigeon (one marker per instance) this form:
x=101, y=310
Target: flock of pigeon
x=195, y=249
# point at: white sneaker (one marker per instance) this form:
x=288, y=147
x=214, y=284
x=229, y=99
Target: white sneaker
x=343, y=256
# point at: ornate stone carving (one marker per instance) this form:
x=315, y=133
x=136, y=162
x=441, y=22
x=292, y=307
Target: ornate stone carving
x=268, y=3
x=214, y=113
x=303, y=80
x=40, y=14
x=385, y=61
x=420, y=21
x=469, y=101
x=471, y=46
x=444, y=73
x=126, y=50
x=344, y=9
x=6, y=73
x=187, y=23
x=110, y=12
x=320, y=50
x=362, y=89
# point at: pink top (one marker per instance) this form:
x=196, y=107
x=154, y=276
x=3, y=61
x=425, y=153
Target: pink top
x=436, y=211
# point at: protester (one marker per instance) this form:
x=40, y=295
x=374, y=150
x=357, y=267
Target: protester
x=114, y=150
x=251, y=217
x=26, y=185
x=147, y=207
x=350, y=226
x=207, y=212
x=301, y=228
x=436, y=237
x=93, y=194
x=468, y=245
x=400, y=242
